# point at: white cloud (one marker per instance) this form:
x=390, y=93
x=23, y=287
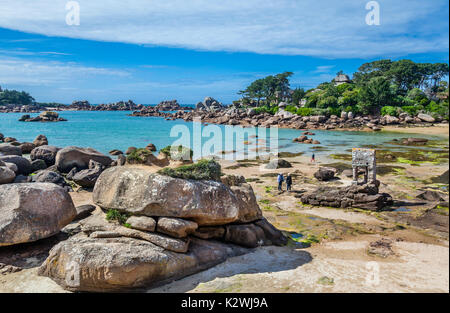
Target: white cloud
x=323, y=28
x=37, y=73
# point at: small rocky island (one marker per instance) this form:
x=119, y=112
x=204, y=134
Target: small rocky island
x=46, y=116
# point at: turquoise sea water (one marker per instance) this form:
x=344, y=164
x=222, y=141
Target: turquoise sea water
x=106, y=131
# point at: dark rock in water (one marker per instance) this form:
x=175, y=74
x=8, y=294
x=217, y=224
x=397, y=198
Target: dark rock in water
x=357, y=196
x=46, y=153
x=24, y=117
x=84, y=211
x=38, y=165
x=47, y=176
x=414, y=141
x=40, y=140
x=70, y=157
x=325, y=174
x=9, y=149
x=278, y=163
x=23, y=165
x=87, y=178
x=9, y=139
x=29, y=212
x=430, y=195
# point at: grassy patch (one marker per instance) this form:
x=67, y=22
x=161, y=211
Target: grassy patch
x=115, y=215
x=389, y=169
x=324, y=280
x=178, y=152
x=289, y=154
x=268, y=189
x=139, y=156
x=341, y=156
x=202, y=170
x=440, y=209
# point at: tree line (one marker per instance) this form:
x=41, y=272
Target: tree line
x=379, y=87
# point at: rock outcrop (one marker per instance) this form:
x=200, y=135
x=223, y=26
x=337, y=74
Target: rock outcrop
x=9, y=149
x=278, y=163
x=356, y=196
x=157, y=228
x=46, y=116
x=123, y=263
x=209, y=104
x=24, y=166
x=70, y=157
x=7, y=176
x=138, y=192
x=325, y=174
x=87, y=178
x=45, y=153
x=33, y=211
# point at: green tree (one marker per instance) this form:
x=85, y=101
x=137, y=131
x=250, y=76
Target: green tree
x=375, y=94
x=299, y=94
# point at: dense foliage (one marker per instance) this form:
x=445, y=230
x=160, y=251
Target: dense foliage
x=15, y=97
x=178, y=152
x=380, y=87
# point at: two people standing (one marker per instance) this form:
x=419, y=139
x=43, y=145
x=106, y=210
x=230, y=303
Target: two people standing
x=281, y=179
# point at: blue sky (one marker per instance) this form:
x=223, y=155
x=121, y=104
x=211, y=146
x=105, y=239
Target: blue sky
x=150, y=51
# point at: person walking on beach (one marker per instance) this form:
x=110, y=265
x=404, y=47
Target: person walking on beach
x=289, y=182
x=313, y=158
x=280, y=180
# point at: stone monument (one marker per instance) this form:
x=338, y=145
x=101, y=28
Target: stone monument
x=364, y=159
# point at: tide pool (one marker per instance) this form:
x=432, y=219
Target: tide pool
x=106, y=131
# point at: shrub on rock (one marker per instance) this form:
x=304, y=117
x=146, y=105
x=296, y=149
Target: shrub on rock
x=178, y=153
x=202, y=170
x=207, y=202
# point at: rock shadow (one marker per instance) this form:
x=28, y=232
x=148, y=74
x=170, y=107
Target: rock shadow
x=30, y=254
x=260, y=260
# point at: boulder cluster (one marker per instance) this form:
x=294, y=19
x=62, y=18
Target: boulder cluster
x=304, y=139
x=84, y=105
x=46, y=116
x=211, y=111
x=148, y=228
x=169, y=105
x=168, y=228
